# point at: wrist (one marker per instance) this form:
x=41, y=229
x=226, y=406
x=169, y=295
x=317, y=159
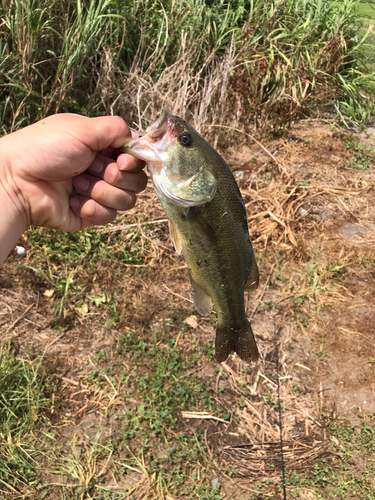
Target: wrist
x=13, y=219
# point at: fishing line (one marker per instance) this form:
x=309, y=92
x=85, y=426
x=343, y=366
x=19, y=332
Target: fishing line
x=277, y=331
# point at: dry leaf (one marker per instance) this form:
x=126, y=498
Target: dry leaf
x=192, y=321
x=82, y=309
x=49, y=293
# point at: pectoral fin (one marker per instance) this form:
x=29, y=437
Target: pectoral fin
x=202, y=300
x=175, y=237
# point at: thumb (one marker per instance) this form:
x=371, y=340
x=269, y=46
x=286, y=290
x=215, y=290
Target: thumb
x=104, y=131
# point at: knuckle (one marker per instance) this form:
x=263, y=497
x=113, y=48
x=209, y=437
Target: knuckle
x=131, y=199
x=100, y=190
x=90, y=209
x=121, y=125
x=114, y=176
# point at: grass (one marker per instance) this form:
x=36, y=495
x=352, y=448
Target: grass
x=150, y=442
x=362, y=156
x=268, y=61
x=351, y=475
x=151, y=449
x=23, y=402
x=71, y=258
x=159, y=377
x=366, y=10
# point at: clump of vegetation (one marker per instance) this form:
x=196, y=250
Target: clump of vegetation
x=213, y=62
x=67, y=262
x=362, y=158
x=22, y=401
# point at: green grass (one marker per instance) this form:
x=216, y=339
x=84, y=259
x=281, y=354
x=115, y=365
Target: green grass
x=23, y=400
x=159, y=377
x=282, y=59
x=151, y=439
x=366, y=10
x=368, y=50
x=362, y=157
x=351, y=472
x=86, y=247
x=65, y=263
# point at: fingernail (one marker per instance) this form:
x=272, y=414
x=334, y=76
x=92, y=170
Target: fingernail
x=81, y=183
x=127, y=163
x=96, y=166
x=74, y=202
x=123, y=165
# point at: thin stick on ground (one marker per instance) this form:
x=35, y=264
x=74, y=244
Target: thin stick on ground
x=263, y=291
x=20, y=317
x=259, y=144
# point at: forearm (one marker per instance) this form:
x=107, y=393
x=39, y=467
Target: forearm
x=12, y=219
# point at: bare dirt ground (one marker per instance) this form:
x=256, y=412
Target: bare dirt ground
x=311, y=213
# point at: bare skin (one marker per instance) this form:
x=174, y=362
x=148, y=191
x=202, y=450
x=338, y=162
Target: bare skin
x=63, y=172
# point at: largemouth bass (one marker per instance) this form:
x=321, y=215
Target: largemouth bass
x=208, y=225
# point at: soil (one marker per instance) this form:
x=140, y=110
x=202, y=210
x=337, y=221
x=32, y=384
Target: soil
x=343, y=330
x=315, y=244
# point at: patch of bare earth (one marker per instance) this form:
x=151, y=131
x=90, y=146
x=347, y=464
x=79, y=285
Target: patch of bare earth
x=312, y=222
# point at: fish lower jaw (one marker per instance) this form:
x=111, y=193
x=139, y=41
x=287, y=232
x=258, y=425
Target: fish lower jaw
x=154, y=167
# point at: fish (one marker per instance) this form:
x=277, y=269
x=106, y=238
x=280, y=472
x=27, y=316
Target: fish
x=208, y=226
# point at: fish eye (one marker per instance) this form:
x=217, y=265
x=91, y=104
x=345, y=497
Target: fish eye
x=186, y=140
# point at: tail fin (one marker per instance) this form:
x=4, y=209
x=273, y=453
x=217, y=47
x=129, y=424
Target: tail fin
x=240, y=340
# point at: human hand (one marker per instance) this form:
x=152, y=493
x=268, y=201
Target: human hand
x=62, y=171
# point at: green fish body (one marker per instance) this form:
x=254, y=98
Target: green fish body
x=208, y=225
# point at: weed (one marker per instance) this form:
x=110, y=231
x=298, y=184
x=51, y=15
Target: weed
x=320, y=354
x=84, y=467
x=88, y=247
x=361, y=159
x=320, y=280
x=68, y=260
x=368, y=262
x=159, y=379
x=62, y=286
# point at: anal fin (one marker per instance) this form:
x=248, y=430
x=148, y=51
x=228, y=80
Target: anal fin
x=202, y=300
x=253, y=278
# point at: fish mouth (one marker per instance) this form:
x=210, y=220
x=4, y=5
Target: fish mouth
x=150, y=146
